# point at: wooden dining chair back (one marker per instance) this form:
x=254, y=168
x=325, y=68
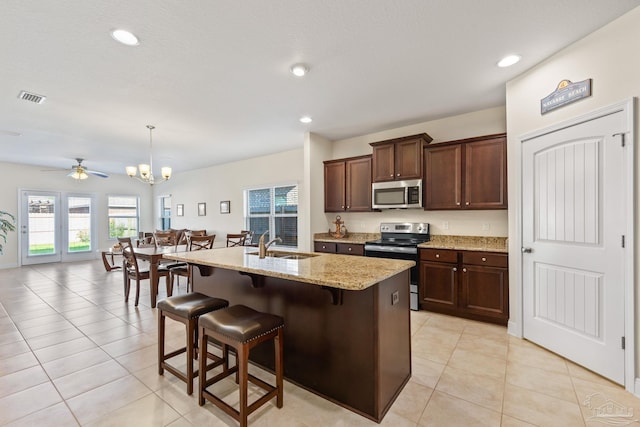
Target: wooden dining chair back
x=196, y=232
x=133, y=271
x=248, y=241
x=236, y=239
x=181, y=235
x=197, y=243
x=124, y=242
x=165, y=238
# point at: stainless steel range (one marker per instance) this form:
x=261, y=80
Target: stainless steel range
x=400, y=240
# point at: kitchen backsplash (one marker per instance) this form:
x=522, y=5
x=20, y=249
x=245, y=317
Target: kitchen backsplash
x=459, y=223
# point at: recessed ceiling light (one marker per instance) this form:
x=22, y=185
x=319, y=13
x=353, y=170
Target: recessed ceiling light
x=508, y=61
x=299, y=70
x=305, y=119
x=125, y=37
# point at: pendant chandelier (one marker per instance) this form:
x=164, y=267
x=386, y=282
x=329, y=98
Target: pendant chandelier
x=146, y=171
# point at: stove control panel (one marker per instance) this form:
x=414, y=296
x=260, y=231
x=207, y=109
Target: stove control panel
x=405, y=227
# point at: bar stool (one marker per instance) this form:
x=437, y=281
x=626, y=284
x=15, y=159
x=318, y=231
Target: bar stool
x=185, y=309
x=241, y=328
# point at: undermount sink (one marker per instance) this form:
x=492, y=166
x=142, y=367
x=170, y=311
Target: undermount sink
x=285, y=255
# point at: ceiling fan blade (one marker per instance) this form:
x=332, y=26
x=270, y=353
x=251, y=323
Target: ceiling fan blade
x=96, y=173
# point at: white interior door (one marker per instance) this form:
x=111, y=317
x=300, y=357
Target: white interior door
x=40, y=227
x=574, y=219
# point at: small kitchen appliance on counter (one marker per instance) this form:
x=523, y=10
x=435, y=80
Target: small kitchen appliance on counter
x=400, y=241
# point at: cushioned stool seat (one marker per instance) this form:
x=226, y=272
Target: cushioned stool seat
x=185, y=309
x=241, y=328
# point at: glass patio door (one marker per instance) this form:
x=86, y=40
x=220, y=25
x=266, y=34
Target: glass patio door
x=56, y=227
x=40, y=227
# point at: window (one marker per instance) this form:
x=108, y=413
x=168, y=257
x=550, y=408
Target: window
x=79, y=224
x=165, y=212
x=123, y=216
x=273, y=209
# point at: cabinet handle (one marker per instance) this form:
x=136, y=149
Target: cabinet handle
x=348, y=207
x=437, y=255
x=391, y=175
x=349, y=249
x=398, y=174
x=464, y=270
x=455, y=269
x=467, y=203
x=342, y=207
x=324, y=247
x=484, y=259
x=457, y=203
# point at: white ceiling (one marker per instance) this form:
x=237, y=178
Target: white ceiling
x=213, y=76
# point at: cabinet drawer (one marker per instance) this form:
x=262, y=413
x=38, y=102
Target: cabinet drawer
x=350, y=249
x=324, y=247
x=438, y=255
x=485, y=258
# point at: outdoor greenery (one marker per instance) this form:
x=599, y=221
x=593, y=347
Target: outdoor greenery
x=7, y=224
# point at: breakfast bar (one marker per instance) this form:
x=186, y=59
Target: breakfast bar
x=347, y=330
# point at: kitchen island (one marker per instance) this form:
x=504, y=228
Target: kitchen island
x=347, y=330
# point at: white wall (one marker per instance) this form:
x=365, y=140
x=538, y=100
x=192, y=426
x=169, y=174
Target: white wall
x=462, y=223
x=609, y=56
x=14, y=177
x=227, y=182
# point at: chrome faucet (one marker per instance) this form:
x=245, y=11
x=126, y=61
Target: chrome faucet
x=263, y=247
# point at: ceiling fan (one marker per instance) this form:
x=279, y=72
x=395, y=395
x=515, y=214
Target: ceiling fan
x=80, y=172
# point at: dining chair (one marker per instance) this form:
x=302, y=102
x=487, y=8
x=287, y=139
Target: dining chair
x=248, y=241
x=181, y=235
x=196, y=243
x=124, y=242
x=165, y=237
x=133, y=271
x=236, y=239
x=196, y=233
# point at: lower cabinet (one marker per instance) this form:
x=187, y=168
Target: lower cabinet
x=339, y=248
x=468, y=284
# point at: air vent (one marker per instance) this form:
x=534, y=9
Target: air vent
x=31, y=97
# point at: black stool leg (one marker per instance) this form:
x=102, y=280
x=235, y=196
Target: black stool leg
x=191, y=327
x=202, y=363
x=161, y=333
x=279, y=349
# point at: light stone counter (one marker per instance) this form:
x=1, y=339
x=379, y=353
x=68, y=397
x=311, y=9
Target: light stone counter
x=336, y=271
x=352, y=238
x=467, y=243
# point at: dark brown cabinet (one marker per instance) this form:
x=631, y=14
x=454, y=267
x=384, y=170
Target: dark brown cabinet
x=468, y=284
x=466, y=174
x=347, y=184
x=339, y=248
x=398, y=159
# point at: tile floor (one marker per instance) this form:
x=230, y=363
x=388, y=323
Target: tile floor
x=72, y=352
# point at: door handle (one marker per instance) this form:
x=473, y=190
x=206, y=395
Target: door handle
x=526, y=250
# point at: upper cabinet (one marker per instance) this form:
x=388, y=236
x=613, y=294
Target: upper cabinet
x=347, y=185
x=398, y=159
x=466, y=174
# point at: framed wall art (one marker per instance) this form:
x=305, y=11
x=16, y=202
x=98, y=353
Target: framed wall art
x=180, y=210
x=225, y=207
x=202, y=209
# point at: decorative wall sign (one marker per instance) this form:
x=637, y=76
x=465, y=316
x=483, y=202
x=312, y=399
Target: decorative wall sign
x=179, y=210
x=225, y=207
x=202, y=209
x=566, y=93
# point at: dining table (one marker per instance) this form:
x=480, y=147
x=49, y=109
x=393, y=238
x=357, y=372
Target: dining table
x=153, y=255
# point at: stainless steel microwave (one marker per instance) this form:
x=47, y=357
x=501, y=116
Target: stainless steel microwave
x=397, y=194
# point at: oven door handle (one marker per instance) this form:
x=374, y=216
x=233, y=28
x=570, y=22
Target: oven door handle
x=392, y=249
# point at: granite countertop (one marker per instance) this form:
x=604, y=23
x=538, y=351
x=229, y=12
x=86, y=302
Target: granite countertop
x=467, y=243
x=353, y=238
x=336, y=271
